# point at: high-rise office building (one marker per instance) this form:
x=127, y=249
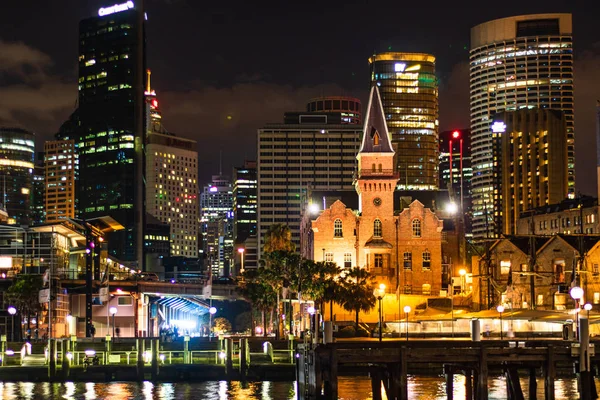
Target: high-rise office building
x=216, y=205
x=522, y=62
x=110, y=130
x=245, y=213
x=313, y=151
x=38, y=198
x=455, y=169
x=17, y=155
x=409, y=93
x=59, y=171
x=530, y=153
x=172, y=189
x=348, y=107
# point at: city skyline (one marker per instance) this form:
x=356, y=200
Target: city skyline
x=38, y=78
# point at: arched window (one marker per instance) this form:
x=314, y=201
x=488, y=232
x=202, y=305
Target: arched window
x=337, y=228
x=416, y=227
x=380, y=168
x=373, y=168
x=377, y=228
x=376, y=139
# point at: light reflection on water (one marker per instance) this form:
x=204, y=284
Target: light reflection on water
x=350, y=388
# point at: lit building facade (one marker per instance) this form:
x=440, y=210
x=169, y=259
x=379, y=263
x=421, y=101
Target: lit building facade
x=455, y=168
x=401, y=249
x=17, y=152
x=522, y=62
x=38, y=198
x=59, y=168
x=245, y=213
x=216, y=221
x=409, y=93
x=530, y=152
x=111, y=118
x=348, y=107
x=570, y=216
x=311, y=152
x=172, y=189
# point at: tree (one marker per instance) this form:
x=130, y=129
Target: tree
x=23, y=294
x=278, y=238
x=356, y=292
x=221, y=325
x=317, y=280
x=256, y=289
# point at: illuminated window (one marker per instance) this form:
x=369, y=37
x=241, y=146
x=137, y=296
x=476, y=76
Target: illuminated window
x=378, y=261
x=377, y=228
x=559, y=271
x=337, y=228
x=416, y=227
x=426, y=288
x=426, y=260
x=505, y=267
x=329, y=257
x=347, y=260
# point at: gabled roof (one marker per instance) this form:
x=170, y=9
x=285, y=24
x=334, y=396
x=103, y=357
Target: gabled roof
x=575, y=241
x=376, y=138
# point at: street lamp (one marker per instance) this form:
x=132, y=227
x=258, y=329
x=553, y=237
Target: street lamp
x=241, y=250
x=577, y=294
x=406, y=311
x=462, y=273
x=379, y=293
x=12, y=311
x=211, y=311
x=113, y=312
x=500, y=310
x=587, y=307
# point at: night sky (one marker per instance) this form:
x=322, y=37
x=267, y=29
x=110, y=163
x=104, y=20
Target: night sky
x=222, y=69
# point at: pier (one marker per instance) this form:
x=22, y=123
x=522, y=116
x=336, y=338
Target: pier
x=388, y=363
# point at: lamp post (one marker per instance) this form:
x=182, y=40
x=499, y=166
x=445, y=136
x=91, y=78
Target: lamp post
x=113, y=312
x=500, y=310
x=12, y=311
x=379, y=293
x=577, y=294
x=462, y=273
x=241, y=250
x=587, y=307
x=211, y=311
x=406, y=311
x=69, y=319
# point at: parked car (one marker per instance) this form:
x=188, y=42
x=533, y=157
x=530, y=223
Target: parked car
x=148, y=276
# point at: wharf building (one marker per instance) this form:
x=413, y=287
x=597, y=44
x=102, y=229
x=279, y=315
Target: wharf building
x=521, y=62
x=17, y=163
x=216, y=225
x=409, y=93
x=109, y=125
x=309, y=151
x=401, y=244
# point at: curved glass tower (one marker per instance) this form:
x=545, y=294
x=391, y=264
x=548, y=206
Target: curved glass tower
x=409, y=94
x=522, y=62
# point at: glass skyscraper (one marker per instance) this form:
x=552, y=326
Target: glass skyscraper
x=522, y=62
x=409, y=93
x=111, y=123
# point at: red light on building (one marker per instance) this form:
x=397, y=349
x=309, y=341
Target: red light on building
x=154, y=103
x=456, y=134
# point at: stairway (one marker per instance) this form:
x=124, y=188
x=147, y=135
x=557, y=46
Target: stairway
x=33, y=360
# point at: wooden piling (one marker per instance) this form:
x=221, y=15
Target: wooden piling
x=403, y=374
x=376, y=384
x=449, y=373
x=483, y=375
x=468, y=384
x=532, y=384
x=550, y=374
x=331, y=383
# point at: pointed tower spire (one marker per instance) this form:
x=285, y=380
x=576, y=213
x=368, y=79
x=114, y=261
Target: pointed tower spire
x=148, y=73
x=376, y=138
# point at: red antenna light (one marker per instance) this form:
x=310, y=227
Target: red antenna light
x=456, y=134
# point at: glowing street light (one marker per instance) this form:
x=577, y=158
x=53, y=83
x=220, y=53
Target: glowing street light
x=577, y=294
x=379, y=293
x=12, y=311
x=587, y=307
x=407, y=311
x=241, y=250
x=113, y=312
x=462, y=273
x=211, y=311
x=500, y=310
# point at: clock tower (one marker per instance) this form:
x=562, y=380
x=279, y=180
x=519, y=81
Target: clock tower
x=376, y=178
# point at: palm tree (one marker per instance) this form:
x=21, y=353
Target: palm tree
x=259, y=293
x=356, y=292
x=278, y=270
x=278, y=238
x=318, y=281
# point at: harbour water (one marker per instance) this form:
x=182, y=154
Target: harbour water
x=350, y=388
